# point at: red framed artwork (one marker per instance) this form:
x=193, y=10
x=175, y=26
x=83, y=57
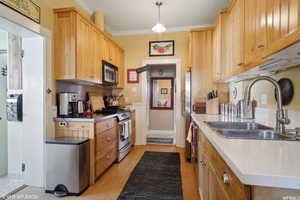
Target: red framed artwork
x=132, y=76
x=162, y=93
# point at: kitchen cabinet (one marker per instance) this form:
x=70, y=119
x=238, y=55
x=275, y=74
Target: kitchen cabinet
x=237, y=25
x=221, y=49
x=216, y=180
x=246, y=32
x=201, y=45
x=121, y=68
x=84, y=49
x=255, y=29
x=283, y=24
x=103, y=137
x=80, y=47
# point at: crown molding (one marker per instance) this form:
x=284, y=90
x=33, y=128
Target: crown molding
x=149, y=31
x=83, y=5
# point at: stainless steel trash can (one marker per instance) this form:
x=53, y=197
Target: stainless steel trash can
x=67, y=166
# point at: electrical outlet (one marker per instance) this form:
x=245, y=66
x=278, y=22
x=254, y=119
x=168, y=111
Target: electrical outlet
x=263, y=99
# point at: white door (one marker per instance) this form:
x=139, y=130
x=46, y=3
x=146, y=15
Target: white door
x=3, y=92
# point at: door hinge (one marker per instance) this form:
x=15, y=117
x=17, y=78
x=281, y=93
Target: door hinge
x=23, y=167
x=22, y=53
x=3, y=71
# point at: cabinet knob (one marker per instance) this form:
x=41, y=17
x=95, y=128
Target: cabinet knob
x=241, y=64
x=260, y=46
x=108, y=156
x=226, y=179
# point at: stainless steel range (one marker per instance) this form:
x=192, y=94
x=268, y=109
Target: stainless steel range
x=124, y=135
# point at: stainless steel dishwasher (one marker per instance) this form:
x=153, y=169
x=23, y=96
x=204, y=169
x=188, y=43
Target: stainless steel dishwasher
x=67, y=166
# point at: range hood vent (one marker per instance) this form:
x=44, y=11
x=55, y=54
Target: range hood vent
x=289, y=57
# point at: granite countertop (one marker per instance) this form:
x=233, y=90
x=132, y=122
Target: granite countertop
x=90, y=118
x=256, y=162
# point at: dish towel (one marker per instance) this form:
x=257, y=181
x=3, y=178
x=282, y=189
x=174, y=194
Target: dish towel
x=190, y=134
x=126, y=130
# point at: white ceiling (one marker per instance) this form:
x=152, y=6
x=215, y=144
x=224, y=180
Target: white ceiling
x=138, y=16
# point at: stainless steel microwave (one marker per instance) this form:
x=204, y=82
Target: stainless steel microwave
x=110, y=74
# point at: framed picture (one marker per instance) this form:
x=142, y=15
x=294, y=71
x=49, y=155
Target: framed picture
x=162, y=48
x=25, y=7
x=132, y=76
x=164, y=91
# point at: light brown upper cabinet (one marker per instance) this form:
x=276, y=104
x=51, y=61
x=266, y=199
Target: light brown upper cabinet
x=121, y=68
x=283, y=24
x=255, y=29
x=217, y=50
x=111, y=52
x=237, y=25
x=249, y=31
x=80, y=47
x=201, y=48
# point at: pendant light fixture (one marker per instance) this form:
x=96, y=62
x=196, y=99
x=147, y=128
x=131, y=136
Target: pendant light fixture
x=159, y=28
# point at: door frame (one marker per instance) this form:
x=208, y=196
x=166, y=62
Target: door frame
x=178, y=117
x=19, y=20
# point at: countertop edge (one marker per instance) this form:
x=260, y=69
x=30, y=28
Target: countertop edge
x=246, y=178
x=91, y=120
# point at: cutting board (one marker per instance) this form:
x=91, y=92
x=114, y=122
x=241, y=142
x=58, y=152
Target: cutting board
x=97, y=102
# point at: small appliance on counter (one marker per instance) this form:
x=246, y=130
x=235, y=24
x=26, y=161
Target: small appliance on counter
x=67, y=169
x=70, y=105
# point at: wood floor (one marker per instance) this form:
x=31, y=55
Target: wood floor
x=109, y=186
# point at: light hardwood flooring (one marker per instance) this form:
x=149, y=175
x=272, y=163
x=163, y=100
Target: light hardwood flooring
x=110, y=185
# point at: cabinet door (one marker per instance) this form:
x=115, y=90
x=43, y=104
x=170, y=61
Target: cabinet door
x=219, y=47
x=96, y=48
x=237, y=25
x=84, y=56
x=203, y=178
x=217, y=51
x=215, y=190
x=121, y=68
x=227, y=45
x=255, y=29
x=108, y=51
x=283, y=21
x=64, y=46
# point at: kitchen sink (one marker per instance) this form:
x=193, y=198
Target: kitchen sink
x=247, y=130
x=252, y=134
x=237, y=125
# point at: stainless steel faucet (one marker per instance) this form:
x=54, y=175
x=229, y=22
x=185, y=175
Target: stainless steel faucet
x=281, y=115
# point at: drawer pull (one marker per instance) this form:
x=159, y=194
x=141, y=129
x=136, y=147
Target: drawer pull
x=260, y=46
x=225, y=179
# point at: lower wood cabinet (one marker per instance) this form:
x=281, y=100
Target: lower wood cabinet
x=103, y=138
x=216, y=181
x=105, y=161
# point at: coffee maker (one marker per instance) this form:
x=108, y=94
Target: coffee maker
x=67, y=102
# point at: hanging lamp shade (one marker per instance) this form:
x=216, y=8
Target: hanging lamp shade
x=159, y=28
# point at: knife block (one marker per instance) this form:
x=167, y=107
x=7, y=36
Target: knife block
x=213, y=106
